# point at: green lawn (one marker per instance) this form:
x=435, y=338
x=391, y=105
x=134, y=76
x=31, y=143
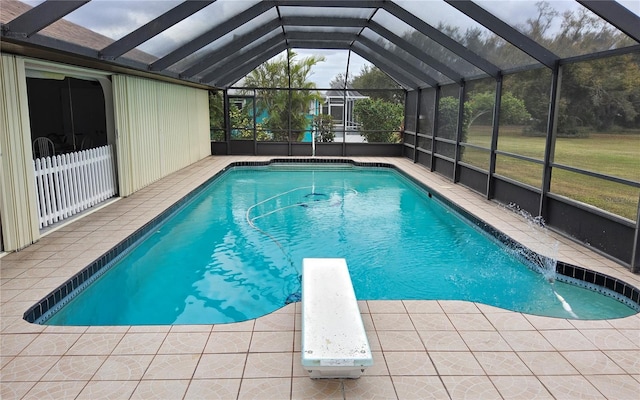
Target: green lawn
x=616, y=154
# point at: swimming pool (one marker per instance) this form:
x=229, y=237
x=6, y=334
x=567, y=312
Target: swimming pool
x=258, y=223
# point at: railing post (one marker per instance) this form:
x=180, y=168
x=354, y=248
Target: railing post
x=494, y=138
x=549, y=149
x=459, y=131
x=635, y=252
x=436, y=106
x=255, y=128
x=227, y=120
x=417, y=116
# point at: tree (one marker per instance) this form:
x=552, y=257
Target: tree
x=512, y=111
x=323, y=125
x=381, y=114
x=242, y=124
x=285, y=111
x=448, y=117
x=537, y=27
x=380, y=120
x=216, y=115
x=370, y=77
x=602, y=93
x=338, y=82
x=595, y=95
x=441, y=53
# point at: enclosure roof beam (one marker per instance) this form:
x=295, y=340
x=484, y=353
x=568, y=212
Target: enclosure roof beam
x=212, y=58
x=400, y=65
x=325, y=36
x=617, y=15
x=386, y=67
x=39, y=17
x=324, y=21
x=49, y=48
x=415, y=51
x=238, y=73
x=361, y=22
x=319, y=44
x=332, y=3
x=441, y=38
x=153, y=28
x=389, y=69
x=239, y=59
x=211, y=35
x=398, y=62
x=22, y=35
x=505, y=31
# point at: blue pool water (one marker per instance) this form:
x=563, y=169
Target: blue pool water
x=234, y=253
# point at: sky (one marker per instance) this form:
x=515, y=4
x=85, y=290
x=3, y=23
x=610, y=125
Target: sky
x=115, y=18
x=335, y=63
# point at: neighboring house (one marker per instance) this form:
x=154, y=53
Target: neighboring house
x=339, y=104
x=333, y=104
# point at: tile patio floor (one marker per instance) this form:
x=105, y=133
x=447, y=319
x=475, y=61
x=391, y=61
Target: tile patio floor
x=422, y=349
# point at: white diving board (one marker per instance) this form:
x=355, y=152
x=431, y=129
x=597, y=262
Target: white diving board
x=334, y=342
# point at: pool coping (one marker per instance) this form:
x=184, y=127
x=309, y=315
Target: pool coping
x=573, y=274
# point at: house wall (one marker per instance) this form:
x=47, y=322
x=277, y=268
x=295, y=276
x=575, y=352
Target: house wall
x=160, y=128
x=17, y=182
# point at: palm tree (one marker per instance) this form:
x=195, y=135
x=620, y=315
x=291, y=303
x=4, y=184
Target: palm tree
x=285, y=110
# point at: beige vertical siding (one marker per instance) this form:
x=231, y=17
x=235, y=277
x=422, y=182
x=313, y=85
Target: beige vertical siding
x=200, y=129
x=160, y=127
x=17, y=183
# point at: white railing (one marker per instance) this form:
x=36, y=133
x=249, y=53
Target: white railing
x=69, y=183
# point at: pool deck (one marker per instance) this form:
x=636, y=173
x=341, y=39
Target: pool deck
x=422, y=349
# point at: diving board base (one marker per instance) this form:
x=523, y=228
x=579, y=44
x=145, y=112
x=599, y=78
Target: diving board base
x=334, y=341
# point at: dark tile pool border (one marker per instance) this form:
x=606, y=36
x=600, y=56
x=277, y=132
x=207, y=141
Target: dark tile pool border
x=602, y=283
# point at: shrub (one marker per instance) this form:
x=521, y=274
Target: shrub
x=380, y=120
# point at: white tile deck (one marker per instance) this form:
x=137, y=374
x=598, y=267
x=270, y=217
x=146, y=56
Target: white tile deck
x=422, y=349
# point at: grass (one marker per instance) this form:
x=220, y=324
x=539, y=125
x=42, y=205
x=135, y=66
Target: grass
x=616, y=154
